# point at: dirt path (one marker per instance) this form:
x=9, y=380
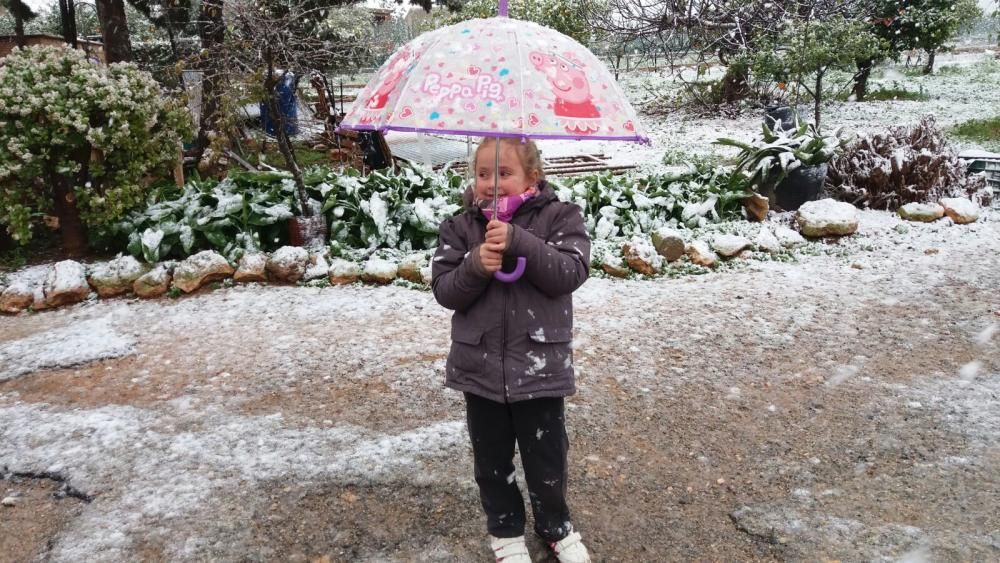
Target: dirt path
x=806, y=411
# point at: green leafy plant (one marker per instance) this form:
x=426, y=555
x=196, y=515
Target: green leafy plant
x=769, y=159
x=81, y=140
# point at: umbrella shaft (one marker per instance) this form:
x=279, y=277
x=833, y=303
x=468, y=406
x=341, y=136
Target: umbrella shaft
x=496, y=178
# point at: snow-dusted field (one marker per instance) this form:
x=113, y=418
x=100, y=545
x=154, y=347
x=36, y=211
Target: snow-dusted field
x=842, y=405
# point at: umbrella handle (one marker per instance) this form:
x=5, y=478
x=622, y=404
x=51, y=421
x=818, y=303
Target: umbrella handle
x=516, y=274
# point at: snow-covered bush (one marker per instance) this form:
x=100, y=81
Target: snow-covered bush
x=903, y=165
x=98, y=131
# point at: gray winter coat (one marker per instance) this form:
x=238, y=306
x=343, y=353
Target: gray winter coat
x=511, y=342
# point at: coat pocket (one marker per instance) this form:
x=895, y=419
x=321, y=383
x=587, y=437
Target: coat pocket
x=549, y=351
x=468, y=352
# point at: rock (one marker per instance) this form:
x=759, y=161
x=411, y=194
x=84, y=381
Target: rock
x=252, y=268
x=116, y=277
x=757, y=207
x=730, y=245
x=668, y=243
x=827, y=217
x=641, y=256
x=153, y=283
x=931, y=250
x=343, y=272
x=615, y=269
x=960, y=210
x=411, y=266
x=17, y=297
x=66, y=283
x=205, y=267
x=427, y=274
x=288, y=264
x=700, y=253
x=318, y=268
x=767, y=242
x=922, y=212
x=788, y=238
x=9, y=501
x=378, y=270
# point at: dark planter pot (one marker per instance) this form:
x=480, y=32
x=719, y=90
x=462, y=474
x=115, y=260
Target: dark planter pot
x=803, y=184
x=779, y=118
x=307, y=231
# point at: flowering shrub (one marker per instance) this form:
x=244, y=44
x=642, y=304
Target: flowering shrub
x=65, y=120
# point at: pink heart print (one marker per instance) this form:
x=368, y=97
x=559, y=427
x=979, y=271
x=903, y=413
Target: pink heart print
x=470, y=106
x=629, y=126
x=407, y=112
x=512, y=102
x=533, y=120
x=474, y=70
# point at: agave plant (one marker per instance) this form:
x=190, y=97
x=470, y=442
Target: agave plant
x=768, y=160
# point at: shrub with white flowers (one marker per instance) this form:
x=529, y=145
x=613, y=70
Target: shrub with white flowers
x=103, y=130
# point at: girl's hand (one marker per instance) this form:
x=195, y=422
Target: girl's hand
x=496, y=234
x=490, y=257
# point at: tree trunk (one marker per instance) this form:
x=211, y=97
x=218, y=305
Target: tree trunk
x=818, y=94
x=71, y=229
x=284, y=143
x=114, y=31
x=67, y=20
x=213, y=33
x=19, y=30
x=930, y=62
x=861, y=80
x=734, y=84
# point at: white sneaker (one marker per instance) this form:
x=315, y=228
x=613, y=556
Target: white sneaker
x=571, y=549
x=510, y=550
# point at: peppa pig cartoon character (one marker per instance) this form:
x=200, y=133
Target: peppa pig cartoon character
x=573, y=102
x=391, y=76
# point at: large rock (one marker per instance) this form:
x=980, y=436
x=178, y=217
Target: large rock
x=960, y=210
x=116, y=277
x=757, y=207
x=730, y=245
x=378, y=270
x=288, y=264
x=66, y=283
x=205, y=267
x=922, y=212
x=668, y=243
x=827, y=217
x=252, y=268
x=700, y=253
x=155, y=282
x=17, y=297
x=767, y=242
x=641, y=256
x=412, y=266
x=343, y=272
x=615, y=267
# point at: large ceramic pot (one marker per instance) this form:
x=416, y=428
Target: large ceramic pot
x=779, y=118
x=803, y=184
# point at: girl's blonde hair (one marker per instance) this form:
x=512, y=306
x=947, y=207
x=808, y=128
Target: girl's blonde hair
x=527, y=152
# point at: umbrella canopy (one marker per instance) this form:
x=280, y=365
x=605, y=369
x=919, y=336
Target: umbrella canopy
x=496, y=77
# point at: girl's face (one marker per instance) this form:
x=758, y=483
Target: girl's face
x=514, y=179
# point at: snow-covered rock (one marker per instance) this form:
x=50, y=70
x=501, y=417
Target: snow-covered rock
x=66, y=283
x=197, y=270
x=921, y=212
x=787, y=237
x=17, y=297
x=756, y=207
x=766, y=241
x=252, y=268
x=343, y=272
x=668, y=243
x=827, y=217
x=155, y=282
x=411, y=266
x=701, y=254
x=379, y=270
x=318, y=268
x=288, y=264
x=116, y=277
x=730, y=245
x=960, y=210
x=642, y=257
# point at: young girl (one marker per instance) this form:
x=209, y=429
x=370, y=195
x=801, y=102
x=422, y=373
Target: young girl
x=510, y=352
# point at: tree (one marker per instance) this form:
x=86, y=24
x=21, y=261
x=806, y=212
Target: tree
x=803, y=54
x=21, y=13
x=568, y=18
x=114, y=31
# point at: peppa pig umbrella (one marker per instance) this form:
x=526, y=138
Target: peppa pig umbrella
x=496, y=77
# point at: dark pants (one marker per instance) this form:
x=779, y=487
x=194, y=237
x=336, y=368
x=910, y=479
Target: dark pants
x=538, y=426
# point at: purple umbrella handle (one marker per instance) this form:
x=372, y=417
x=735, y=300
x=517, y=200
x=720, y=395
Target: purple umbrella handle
x=516, y=274
x=503, y=8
